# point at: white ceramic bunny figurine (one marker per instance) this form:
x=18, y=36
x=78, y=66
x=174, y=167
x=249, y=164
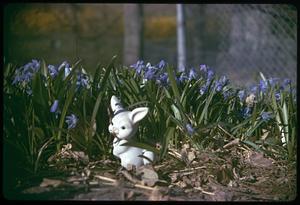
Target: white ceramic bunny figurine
x=124, y=126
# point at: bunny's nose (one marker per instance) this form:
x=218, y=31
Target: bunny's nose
x=113, y=130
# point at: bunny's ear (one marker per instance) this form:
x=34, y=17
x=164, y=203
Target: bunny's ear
x=115, y=104
x=113, y=101
x=138, y=114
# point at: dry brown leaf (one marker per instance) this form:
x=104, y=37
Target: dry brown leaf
x=109, y=175
x=265, y=134
x=231, y=143
x=149, y=176
x=224, y=174
x=51, y=182
x=186, y=146
x=186, y=180
x=75, y=178
x=181, y=184
x=191, y=156
x=80, y=156
x=36, y=190
x=129, y=195
x=156, y=195
x=258, y=159
x=173, y=177
x=222, y=196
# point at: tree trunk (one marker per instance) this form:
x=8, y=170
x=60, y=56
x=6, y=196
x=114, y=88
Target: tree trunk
x=181, y=46
x=133, y=33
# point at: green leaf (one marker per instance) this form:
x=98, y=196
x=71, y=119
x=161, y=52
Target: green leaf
x=262, y=76
x=165, y=144
x=205, y=109
x=101, y=93
x=251, y=144
x=39, y=92
x=44, y=69
x=68, y=101
x=173, y=83
x=39, y=132
x=176, y=112
x=97, y=76
x=252, y=129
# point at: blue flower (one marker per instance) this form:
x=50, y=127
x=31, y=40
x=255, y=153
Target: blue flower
x=67, y=67
x=71, y=121
x=242, y=95
x=24, y=75
x=182, y=78
x=253, y=89
x=203, y=68
x=273, y=81
x=161, y=64
x=138, y=66
x=150, y=73
x=221, y=83
x=218, y=87
x=203, y=89
x=287, y=82
x=52, y=71
x=67, y=70
x=162, y=79
x=246, y=112
x=277, y=96
x=265, y=116
x=210, y=74
x=54, y=106
x=227, y=94
x=82, y=80
x=263, y=86
x=192, y=74
x=224, y=80
x=35, y=65
x=190, y=129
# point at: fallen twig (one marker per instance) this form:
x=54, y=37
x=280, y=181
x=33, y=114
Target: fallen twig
x=145, y=187
x=204, y=192
x=232, y=143
x=189, y=169
x=130, y=177
x=136, y=185
x=227, y=133
x=106, y=178
x=174, y=154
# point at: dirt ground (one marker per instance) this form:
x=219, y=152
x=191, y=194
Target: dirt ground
x=233, y=173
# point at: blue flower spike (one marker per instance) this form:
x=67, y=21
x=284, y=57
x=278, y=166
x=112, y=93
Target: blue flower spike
x=266, y=116
x=71, y=120
x=190, y=129
x=54, y=106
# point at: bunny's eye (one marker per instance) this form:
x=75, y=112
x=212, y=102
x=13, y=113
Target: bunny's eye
x=123, y=127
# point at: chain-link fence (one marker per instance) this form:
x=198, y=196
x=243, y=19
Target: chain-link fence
x=242, y=40
x=238, y=41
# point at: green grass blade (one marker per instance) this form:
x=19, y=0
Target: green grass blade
x=103, y=83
